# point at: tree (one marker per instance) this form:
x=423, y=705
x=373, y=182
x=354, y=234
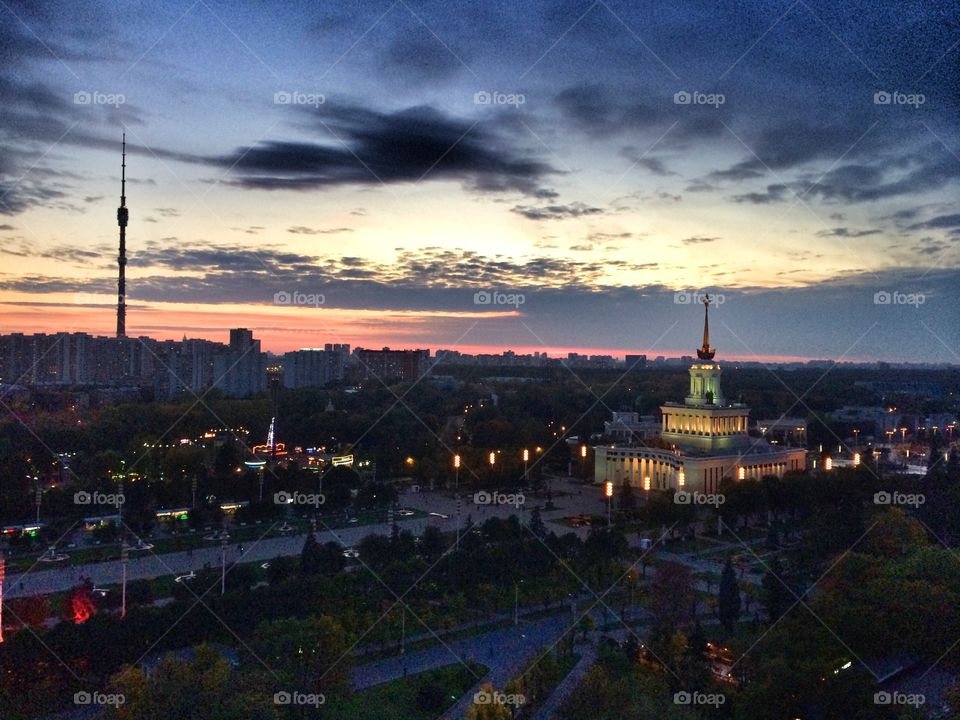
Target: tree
x=311, y=560
x=32, y=611
x=203, y=687
x=311, y=655
x=776, y=597
x=672, y=596
x=626, y=500
x=537, y=526
x=729, y=599
x=432, y=544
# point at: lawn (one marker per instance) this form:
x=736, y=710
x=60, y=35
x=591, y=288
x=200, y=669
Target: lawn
x=397, y=699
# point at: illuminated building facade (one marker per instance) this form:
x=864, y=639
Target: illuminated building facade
x=702, y=441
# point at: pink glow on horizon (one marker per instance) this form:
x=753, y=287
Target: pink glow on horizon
x=282, y=329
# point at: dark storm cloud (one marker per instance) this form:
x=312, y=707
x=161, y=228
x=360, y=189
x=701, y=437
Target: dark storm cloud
x=226, y=260
x=774, y=193
x=361, y=146
x=597, y=110
x=639, y=157
x=846, y=232
x=930, y=168
x=304, y=230
x=942, y=221
x=787, y=146
x=556, y=212
x=418, y=56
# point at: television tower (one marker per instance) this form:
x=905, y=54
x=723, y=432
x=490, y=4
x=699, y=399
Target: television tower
x=122, y=216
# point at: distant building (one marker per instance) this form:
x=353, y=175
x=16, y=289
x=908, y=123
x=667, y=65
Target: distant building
x=241, y=370
x=391, y=365
x=784, y=430
x=314, y=367
x=635, y=362
x=630, y=427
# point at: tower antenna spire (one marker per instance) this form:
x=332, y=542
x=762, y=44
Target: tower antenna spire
x=706, y=352
x=122, y=217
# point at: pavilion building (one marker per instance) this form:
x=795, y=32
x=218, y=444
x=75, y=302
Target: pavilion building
x=702, y=441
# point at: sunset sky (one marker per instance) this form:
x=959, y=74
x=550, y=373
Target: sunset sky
x=341, y=150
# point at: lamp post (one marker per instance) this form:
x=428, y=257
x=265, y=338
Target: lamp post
x=526, y=459
x=124, y=558
x=608, y=491
x=223, y=565
x=456, y=471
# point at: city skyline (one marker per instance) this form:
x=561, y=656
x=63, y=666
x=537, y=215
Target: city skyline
x=806, y=176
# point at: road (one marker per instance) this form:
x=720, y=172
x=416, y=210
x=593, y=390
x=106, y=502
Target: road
x=45, y=578
x=501, y=650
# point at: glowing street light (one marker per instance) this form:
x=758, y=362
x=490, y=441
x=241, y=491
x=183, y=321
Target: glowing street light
x=608, y=491
x=493, y=458
x=856, y=459
x=646, y=483
x=456, y=470
x=526, y=459
x=682, y=479
x=828, y=463
x=742, y=473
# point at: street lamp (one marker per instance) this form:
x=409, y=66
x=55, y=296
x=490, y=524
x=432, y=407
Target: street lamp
x=124, y=558
x=223, y=564
x=682, y=480
x=828, y=464
x=742, y=473
x=493, y=458
x=456, y=470
x=856, y=459
x=526, y=459
x=608, y=491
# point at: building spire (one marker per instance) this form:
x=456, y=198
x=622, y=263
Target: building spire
x=122, y=217
x=706, y=352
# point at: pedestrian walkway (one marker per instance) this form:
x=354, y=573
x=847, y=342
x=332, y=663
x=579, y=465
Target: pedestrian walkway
x=588, y=656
